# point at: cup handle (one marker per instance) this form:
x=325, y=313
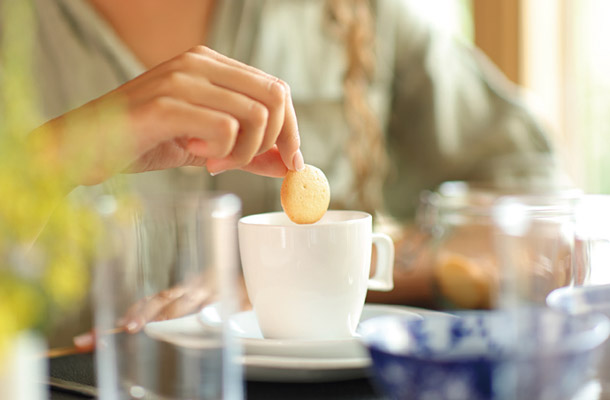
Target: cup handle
x=383, y=280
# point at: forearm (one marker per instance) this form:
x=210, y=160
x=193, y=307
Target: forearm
x=84, y=146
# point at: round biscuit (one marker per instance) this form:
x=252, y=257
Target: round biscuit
x=462, y=282
x=305, y=195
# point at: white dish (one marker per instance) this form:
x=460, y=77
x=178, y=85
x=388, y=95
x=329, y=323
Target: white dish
x=245, y=327
x=189, y=332
x=184, y=331
x=279, y=360
x=296, y=369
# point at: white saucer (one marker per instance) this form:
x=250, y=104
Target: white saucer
x=245, y=327
x=185, y=331
x=278, y=360
x=296, y=369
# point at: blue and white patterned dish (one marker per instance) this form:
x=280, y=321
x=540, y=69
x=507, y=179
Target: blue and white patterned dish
x=581, y=299
x=587, y=299
x=524, y=354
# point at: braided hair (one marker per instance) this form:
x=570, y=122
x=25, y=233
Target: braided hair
x=352, y=22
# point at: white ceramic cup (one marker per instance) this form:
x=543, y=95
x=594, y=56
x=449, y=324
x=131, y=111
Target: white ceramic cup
x=310, y=281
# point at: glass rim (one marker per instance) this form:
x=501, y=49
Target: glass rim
x=478, y=199
x=107, y=204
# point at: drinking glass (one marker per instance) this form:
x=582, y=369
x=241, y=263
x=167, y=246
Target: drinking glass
x=165, y=255
x=592, y=217
x=461, y=221
x=583, y=300
x=537, y=253
x=534, y=243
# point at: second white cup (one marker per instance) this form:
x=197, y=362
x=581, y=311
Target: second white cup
x=309, y=282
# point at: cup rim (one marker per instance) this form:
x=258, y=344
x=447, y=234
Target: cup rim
x=249, y=220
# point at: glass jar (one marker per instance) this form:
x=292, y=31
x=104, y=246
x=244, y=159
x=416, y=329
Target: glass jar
x=491, y=247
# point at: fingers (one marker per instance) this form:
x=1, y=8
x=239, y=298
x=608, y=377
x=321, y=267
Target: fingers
x=85, y=342
x=258, y=129
x=286, y=138
x=268, y=164
x=168, y=304
x=171, y=303
x=169, y=118
x=220, y=111
x=259, y=101
x=288, y=142
x=148, y=308
x=209, y=53
x=270, y=93
x=278, y=89
x=186, y=304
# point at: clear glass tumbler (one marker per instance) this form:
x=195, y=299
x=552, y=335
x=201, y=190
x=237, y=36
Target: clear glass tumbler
x=482, y=237
x=593, y=239
x=164, y=256
x=534, y=241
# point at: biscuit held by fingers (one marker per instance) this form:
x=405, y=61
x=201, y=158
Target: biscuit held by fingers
x=305, y=195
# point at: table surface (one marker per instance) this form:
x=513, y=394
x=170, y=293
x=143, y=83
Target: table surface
x=79, y=368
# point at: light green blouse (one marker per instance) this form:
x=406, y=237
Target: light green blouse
x=446, y=111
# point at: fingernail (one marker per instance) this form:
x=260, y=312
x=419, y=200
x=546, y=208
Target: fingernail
x=217, y=172
x=84, y=340
x=297, y=161
x=132, y=326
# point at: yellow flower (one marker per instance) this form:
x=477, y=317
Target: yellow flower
x=8, y=328
x=22, y=306
x=46, y=242
x=66, y=279
x=23, y=302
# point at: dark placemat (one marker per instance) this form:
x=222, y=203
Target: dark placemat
x=76, y=368
x=72, y=377
x=359, y=389
x=79, y=369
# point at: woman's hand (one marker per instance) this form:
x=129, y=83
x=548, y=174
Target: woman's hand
x=175, y=302
x=199, y=108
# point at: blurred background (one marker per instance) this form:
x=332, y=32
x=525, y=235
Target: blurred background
x=558, y=51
